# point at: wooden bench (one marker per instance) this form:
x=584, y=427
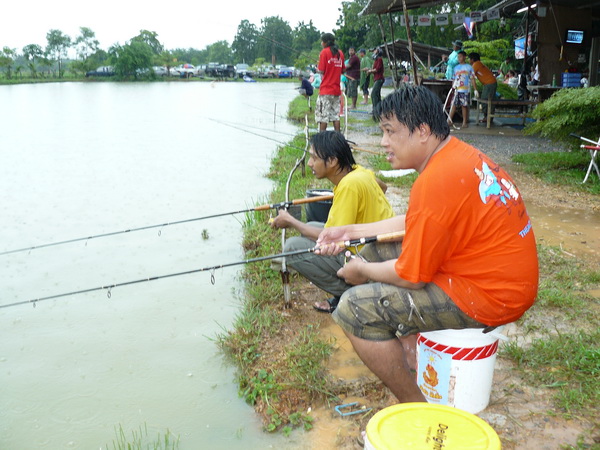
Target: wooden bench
x=506, y=108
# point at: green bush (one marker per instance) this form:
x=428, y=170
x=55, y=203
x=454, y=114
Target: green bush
x=568, y=111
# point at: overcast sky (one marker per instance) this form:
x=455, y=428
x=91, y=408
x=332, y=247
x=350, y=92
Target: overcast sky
x=179, y=24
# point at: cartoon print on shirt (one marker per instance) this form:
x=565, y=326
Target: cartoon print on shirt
x=491, y=189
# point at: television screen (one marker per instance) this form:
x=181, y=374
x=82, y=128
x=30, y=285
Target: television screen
x=574, y=37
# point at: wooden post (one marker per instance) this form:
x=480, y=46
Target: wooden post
x=410, y=47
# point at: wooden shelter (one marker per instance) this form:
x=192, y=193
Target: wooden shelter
x=547, y=21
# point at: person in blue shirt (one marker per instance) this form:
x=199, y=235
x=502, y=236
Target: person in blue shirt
x=305, y=88
x=453, y=59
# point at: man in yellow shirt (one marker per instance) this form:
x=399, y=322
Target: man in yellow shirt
x=487, y=79
x=359, y=197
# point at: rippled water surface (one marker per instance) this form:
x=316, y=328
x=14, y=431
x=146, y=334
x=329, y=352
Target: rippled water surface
x=79, y=159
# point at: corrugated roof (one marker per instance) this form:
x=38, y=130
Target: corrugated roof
x=386, y=6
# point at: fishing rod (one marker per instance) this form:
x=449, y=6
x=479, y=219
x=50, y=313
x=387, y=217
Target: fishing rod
x=256, y=134
x=285, y=204
x=387, y=237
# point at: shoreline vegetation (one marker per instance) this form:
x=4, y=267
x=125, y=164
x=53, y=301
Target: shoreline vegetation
x=281, y=353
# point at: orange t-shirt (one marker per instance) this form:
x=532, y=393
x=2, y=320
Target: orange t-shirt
x=468, y=232
x=483, y=74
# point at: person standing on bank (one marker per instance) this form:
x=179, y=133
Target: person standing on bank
x=358, y=198
x=453, y=59
x=463, y=75
x=353, y=75
x=468, y=258
x=331, y=66
x=365, y=77
x=378, y=78
x=488, y=81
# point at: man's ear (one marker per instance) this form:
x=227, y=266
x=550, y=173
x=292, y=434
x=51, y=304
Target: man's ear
x=424, y=131
x=331, y=161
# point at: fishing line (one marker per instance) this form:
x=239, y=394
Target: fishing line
x=259, y=135
x=265, y=207
x=348, y=243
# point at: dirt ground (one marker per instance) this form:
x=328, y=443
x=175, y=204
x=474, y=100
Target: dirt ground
x=522, y=415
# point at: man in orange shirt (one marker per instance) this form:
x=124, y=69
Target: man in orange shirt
x=487, y=79
x=468, y=259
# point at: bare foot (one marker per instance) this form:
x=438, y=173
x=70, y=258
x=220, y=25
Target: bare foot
x=465, y=125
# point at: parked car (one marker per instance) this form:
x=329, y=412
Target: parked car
x=189, y=70
x=102, y=71
x=242, y=70
x=286, y=72
x=160, y=71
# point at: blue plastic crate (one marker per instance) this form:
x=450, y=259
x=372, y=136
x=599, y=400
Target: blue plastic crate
x=571, y=79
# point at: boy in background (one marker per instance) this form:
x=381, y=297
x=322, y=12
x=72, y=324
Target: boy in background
x=463, y=74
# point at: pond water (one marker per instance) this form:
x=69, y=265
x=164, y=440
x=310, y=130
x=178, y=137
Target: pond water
x=81, y=159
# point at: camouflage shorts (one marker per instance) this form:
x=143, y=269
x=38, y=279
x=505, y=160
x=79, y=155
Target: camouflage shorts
x=327, y=108
x=352, y=88
x=378, y=311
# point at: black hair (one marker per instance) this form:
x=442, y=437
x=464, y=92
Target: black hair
x=414, y=106
x=474, y=56
x=462, y=52
x=329, y=40
x=333, y=144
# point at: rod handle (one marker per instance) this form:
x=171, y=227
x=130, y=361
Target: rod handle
x=316, y=198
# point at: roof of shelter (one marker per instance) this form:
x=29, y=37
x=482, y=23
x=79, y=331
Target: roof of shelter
x=508, y=6
x=401, y=53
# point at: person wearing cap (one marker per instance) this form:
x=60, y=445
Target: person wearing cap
x=378, y=78
x=331, y=66
x=365, y=77
x=453, y=59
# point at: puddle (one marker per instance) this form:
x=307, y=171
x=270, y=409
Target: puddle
x=577, y=232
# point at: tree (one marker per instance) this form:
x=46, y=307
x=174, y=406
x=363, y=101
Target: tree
x=151, y=39
x=306, y=40
x=220, y=52
x=131, y=60
x=58, y=44
x=244, y=43
x=86, y=43
x=7, y=59
x=32, y=53
x=275, y=40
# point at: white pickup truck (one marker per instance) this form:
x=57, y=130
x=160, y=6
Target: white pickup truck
x=189, y=70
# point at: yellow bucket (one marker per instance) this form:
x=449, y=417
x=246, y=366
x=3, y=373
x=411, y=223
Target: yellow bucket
x=428, y=426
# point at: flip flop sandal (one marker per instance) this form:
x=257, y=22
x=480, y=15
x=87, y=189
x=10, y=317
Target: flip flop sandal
x=332, y=303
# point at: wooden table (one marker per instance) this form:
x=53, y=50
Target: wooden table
x=505, y=108
x=543, y=92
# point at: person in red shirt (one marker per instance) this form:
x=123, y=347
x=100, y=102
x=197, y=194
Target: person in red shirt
x=331, y=66
x=378, y=77
x=353, y=75
x=468, y=258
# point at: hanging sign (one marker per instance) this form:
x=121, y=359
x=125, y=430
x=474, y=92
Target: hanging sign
x=493, y=14
x=441, y=19
x=458, y=18
x=411, y=20
x=476, y=16
x=424, y=21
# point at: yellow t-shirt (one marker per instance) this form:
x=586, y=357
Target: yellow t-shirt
x=358, y=199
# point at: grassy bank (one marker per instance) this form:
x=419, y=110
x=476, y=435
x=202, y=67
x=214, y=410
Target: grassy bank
x=281, y=357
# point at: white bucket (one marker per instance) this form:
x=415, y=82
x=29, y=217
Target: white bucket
x=455, y=367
